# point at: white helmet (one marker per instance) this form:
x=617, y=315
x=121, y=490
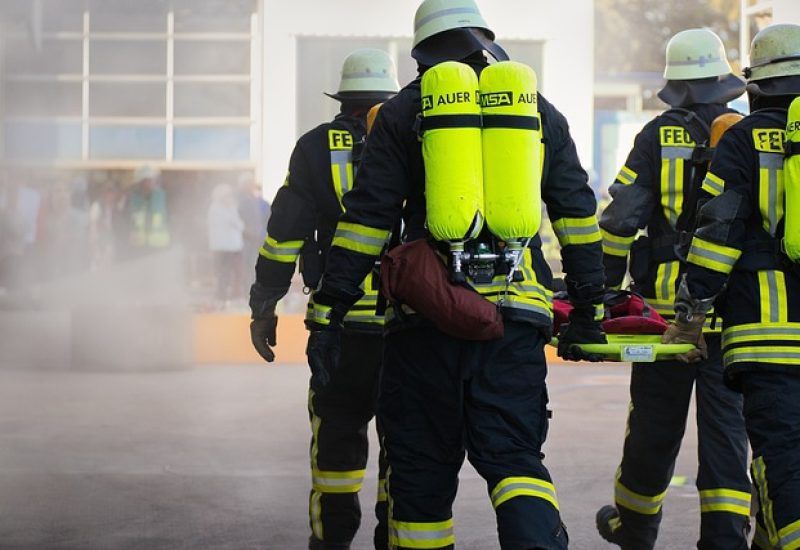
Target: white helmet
x=696, y=53
x=367, y=74
x=697, y=70
x=434, y=17
x=774, y=55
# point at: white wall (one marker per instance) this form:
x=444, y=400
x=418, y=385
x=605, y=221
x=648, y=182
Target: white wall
x=786, y=11
x=568, y=57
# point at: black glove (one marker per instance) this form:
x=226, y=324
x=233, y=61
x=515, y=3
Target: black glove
x=265, y=322
x=323, y=349
x=582, y=329
x=262, y=334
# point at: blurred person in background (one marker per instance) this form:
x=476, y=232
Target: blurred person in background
x=145, y=214
x=304, y=216
x=63, y=240
x=20, y=216
x=225, y=241
x=658, y=189
x=254, y=211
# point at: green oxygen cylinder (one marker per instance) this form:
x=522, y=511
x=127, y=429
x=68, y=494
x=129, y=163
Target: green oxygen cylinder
x=512, y=150
x=451, y=151
x=791, y=176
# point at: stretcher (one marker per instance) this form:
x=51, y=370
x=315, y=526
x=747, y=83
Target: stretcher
x=634, y=348
x=633, y=330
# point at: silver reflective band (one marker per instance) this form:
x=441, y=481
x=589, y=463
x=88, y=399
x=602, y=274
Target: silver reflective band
x=408, y=534
x=443, y=13
x=778, y=331
x=725, y=500
x=733, y=356
x=363, y=239
x=715, y=256
x=522, y=485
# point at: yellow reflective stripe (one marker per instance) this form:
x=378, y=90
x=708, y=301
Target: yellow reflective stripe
x=788, y=355
x=315, y=503
x=626, y=176
x=512, y=487
x=577, y=231
x=634, y=501
x=672, y=182
x=614, y=245
x=360, y=238
x=337, y=482
x=713, y=184
x=666, y=281
x=789, y=536
x=759, y=469
x=770, y=190
x=764, y=333
x=342, y=173
x=320, y=313
x=725, y=500
x=715, y=257
x=284, y=252
x=772, y=291
x=382, y=494
x=421, y=535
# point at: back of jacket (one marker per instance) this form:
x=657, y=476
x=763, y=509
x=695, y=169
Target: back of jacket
x=657, y=191
x=737, y=241
x=306, y=210
x=391, y=185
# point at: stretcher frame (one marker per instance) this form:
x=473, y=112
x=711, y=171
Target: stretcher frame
x=634, y=348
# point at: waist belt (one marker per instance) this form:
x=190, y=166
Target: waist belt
x=665, y=248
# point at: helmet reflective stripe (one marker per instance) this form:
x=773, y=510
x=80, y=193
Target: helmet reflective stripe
x=775, y=52
x=436, y=16
x=695, y=53
x=368, y=70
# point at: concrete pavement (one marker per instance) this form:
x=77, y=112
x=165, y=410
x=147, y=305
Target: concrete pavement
x=216, y=457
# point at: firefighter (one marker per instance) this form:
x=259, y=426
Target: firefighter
x=657, y=190
x=443, y=395
x=302, y=224
x=740, y=261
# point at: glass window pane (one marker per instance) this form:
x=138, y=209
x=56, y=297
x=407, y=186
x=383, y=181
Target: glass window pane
x=128, y=57
x=213, y=15
x=201, y=100
x=211, y=143
x=54, y=57
x=42, y=99
x=62, y=15
x=128, y=15
x=196, y=57
x=26, y=140
x=128, y=99
x=127, y=142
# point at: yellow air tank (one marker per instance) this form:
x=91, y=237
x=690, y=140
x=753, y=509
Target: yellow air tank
x=512, y=150
x=791, y=174
x=451, y=150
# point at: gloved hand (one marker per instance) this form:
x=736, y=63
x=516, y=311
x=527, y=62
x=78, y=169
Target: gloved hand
x=688, y=329
x=262, y=334
x=582, y=329
x=323, y=349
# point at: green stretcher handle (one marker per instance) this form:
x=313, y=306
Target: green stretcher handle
x=638, y=348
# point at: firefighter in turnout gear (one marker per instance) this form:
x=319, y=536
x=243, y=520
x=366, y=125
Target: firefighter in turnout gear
x=444, y=395
x=302, y=225
x=658, y=190
x=741, y=260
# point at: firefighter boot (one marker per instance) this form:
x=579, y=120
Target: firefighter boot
x=608, y=524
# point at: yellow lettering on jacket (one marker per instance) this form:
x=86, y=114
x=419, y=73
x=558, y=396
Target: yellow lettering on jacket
x=340, y=140
x=768, y=140
x=675, y=136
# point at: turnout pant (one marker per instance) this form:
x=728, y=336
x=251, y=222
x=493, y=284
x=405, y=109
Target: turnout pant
x=660, y=396
x=340, y=413
x=772, y=413
x=442, y=397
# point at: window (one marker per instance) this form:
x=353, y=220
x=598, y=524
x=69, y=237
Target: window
x=162, y=80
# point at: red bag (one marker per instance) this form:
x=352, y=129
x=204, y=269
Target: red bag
x=412, y=274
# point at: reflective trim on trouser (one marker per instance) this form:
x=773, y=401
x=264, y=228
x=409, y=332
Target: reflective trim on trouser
x=337, y=482
x=761, y=539
x=643, y=504
x=381, y=496
x=428, y=535
x=725, y=500
x=512, y=487
x=759, y=469
x=789, y=536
